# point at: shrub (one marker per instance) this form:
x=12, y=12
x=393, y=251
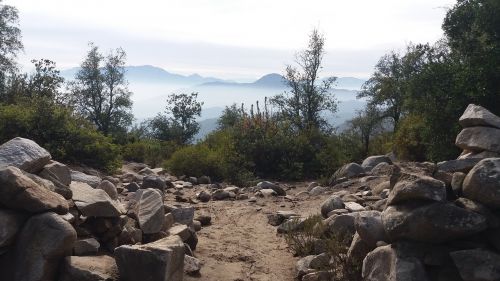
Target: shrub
x=196, y=160
x=408, y=139
x=150, y=151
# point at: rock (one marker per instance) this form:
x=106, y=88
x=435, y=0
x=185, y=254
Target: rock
x=477, y=264
x=146, y=206
x=372, y=161
x=435, y=223
x=162, y=260
x=204, y=219
x=385, y=193
x=24, y=154
x=99, y=268
x=153, y=182
x=290, y=225
x=94, y=202
x=132, y=187
x=303, y=266
x=332, y=203
x=348, y=171
x=196, y=225
x=84, y=247
x=353, y=207
x=56, y=171
x=475, y=115
x=482, y=183
x=169, y=221
x=44, y=240
x=318, y=190
x=358, y=250
x=11, y=223
x=312, y=185
x=146, y=171
x=318, y=276
x=456, y=183
x=109, y=188
x=130, y=233
x=193, y=180
x=412, y=187
x=382, y=169
x=220, y=194
x=481, y=155
x=19, y=192
x=93, y=181
x=204, y=180
x=269, y=185
x=369, y=226
x=192, y=265
x=203, y=196
x=183, y=214
x=342, y=227
x=458, y=165
x=266, y=193
x=279, y=217
x=479, y=139
x=388, y=263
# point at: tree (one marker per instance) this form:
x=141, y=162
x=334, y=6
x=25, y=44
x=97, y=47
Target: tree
x=46, y=80
x=308, y=96
x=367, y=123
x=179, y=121
x=230, y=117
x=10, y=44
x=100, y=91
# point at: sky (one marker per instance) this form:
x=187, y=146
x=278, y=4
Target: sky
x=230, y=39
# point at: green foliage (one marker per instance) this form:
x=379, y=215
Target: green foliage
x=65, y=136
x=408, y=139
x=196, y=160
x=150, y=151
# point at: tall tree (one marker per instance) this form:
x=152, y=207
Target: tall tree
x=100, y=91
x=308, y=96
x=367, y=123
x=179, y=121
x=10, y=44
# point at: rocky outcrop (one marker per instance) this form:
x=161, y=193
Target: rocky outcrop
x=24, y=154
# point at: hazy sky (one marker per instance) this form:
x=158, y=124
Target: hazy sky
x=232, y=39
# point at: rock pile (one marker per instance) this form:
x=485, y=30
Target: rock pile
x=60, y=224
x=418, y=221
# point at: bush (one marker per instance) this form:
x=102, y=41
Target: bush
x=66, y=137
x=408, y=139
x=150, y=151
x=196, y=160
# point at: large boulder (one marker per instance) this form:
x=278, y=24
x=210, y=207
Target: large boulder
x=331, y=203
x=434, y=223
x=476, y=115
x=56, y=171
x=348, y=171
x=162, y=260
x=341, y=227
x=269, y=185
x=479, y=139
x=412, y=187
x=11, y=223
x=43, y=242
x=369, y=226
x=19, y=192
x=482, y=183
x=109, y=188
x=147, y=207
x=477, y=264
x=24, y=154
x=52, y=185
x=458, y=165
x=154, y=182
x=388, y=263
x=372, y=161
x=93, y=181
x=97, y=268
x=182, y=214
x=94, y=202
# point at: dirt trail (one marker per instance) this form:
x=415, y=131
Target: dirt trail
x=241, y=246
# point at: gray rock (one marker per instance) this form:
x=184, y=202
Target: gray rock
x=303, y=266
x=358, y=251
x=98, y=268
x=88, y=246
x=93, y=181
x=332, y=203
x=132, y=187
x=481, y=155
x=146, y=206
x=435, y=223
x=162, y=260
x=192, y=265
x=269, y=185
x=169, y=221
x=11, y=223
x=456, y=183
x=318, y=190
x=205, y=219
x=312, y=185
x=146, y=171
x=382, y=169
x=341, y=227
x=94, y=202
x=388, y=264
x=369, y=226
x=477, y=264
x=24, y=154
x=44, y=240
x=458, y=165
x=348, y=171
x=183, y=214
x=109, y=188
x=154, y=182
x=479, y=139
x=353, y=207
x=57, y=171
x=266, y=193
x=19, y=192
x=291, y=225
x=482, y=183
x=475, y=115
x=53, y=186
x=279, y=217
x=412, y=187
x=372, y=161
x=203, y=196
x=204, y=180
x=492, y=220
x=220, y=194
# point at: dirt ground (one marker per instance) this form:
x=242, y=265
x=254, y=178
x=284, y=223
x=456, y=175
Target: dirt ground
x=240, y=245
